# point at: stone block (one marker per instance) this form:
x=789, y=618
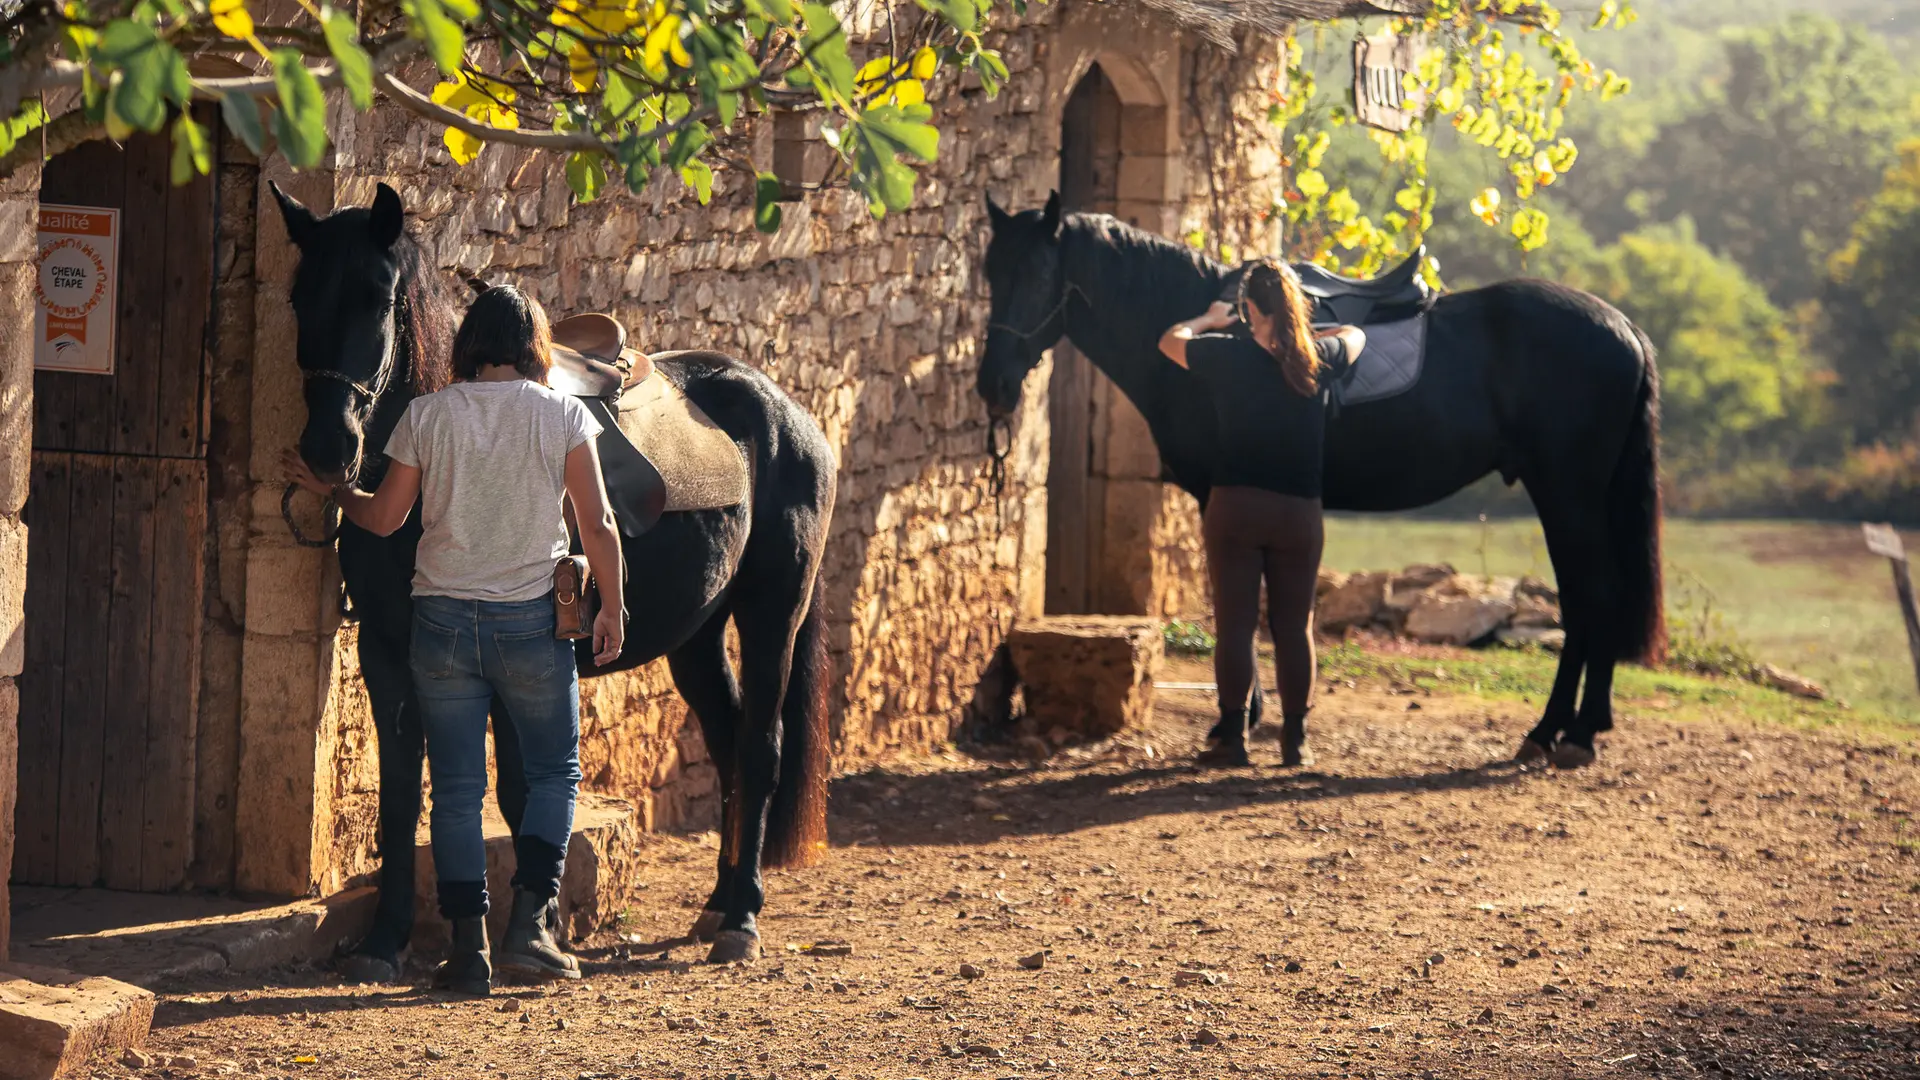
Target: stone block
x=9, y=793
x=1091, y=675
x=1356, y=601
x=16, y=385
x=283, y=589
x=13, y=594
x=280, y=709
x=602, y=875
x=1461, y=610
x=19, y=226
x=1149, y=179
x=52, y=1021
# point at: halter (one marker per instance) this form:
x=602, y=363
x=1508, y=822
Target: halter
x=329, y=510
x=1067, y=293
x=997, y=448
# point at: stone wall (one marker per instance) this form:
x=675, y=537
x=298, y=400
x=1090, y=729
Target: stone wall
x=19, y=216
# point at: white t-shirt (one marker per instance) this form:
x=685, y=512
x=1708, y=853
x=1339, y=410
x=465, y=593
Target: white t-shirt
x=492, y=458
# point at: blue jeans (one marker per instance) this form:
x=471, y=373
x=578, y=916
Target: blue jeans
x=464, y=651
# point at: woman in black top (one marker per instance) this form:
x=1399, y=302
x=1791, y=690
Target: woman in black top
x=1263, y=514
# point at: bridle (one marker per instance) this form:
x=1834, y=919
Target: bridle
x=369, y=396
x=999, y=447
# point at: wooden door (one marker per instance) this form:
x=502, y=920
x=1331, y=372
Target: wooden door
x=1076, y=497
x=117, y=516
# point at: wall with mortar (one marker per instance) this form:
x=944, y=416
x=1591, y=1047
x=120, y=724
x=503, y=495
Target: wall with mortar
x=872, y=325
x=19, y=216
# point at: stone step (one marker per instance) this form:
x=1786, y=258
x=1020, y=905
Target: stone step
x=52, y=1021
x=602, y=875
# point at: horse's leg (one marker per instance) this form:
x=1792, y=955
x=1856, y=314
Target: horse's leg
x=1571, y=533
x=509, y=770
x=767, y=613
x=704, y=676
x=402, y=748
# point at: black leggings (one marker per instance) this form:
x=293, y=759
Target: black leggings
x=1253, y=533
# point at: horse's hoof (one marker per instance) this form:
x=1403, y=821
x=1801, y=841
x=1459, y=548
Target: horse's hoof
x=734, y=947
x=1572, y=756
x=707, y=925
x=1530, y=753
x=1295, y=755
x=368, y=968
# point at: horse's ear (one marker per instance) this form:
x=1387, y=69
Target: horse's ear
x=1050, y=218
x=388, y=217
x=299, y=219
x=477, y=285
x=995, y=215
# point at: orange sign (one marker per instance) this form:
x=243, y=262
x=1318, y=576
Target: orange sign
x=76, y=288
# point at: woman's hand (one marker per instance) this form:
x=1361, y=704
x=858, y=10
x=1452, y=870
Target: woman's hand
x=1173, y=343
x=298, y=472
x=1219, y=316
x=609, y=636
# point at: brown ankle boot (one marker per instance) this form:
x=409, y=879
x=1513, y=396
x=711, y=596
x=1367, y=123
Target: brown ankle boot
x=1293, y=743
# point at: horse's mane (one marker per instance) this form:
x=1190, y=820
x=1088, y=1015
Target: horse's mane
x=1106, y=257
x=425, y=318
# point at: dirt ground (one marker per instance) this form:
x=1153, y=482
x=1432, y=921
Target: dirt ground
x=1708, y=900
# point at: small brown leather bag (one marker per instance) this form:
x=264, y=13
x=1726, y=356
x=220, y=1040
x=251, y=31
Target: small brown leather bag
x=572, y=599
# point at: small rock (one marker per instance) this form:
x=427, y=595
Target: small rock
x=1552, y=990
x=182, y=1061
x=1678, y=971
x=684, y=1023
x=134, y=1058
x=1339, y=965
x=560, y=1023
x=1790, y=683
x=1035, y=962
x=510, y=1005
x=1192, y=977
x=434, y=1054
x=969, y=971
x=1294, y=967
x=1413, y=706
x=1437, y=959
x=1485, y=1017
x=1204, y=1037
x=983, y=1050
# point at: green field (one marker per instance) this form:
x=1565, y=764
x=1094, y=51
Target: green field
x=1807, y=597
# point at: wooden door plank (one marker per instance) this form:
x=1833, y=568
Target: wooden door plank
x=185, y=307
x=42, y=689
x=180, y=518
x=73, y=412
x=84, y=702
x=129, y=641
x=143, y=274
x=1068, y=466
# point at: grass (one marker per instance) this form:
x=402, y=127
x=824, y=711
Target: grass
x=1527, y=676
x=1807, y=597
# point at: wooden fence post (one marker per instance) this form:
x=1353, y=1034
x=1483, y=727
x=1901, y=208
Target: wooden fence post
x=1882, y=540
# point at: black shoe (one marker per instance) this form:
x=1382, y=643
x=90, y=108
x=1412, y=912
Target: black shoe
x=530, y=950
x=1227, y=742
x=1293, y=743
x=467, y=969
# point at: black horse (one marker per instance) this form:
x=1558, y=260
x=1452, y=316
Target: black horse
x=375, y=326
x=1545, y=384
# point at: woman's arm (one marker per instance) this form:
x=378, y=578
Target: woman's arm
x=380, y=512
x=1354, y=338
x=1174, y=342
x=588, y=494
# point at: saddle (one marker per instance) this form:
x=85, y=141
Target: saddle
x=659, y=452
x=1392, y=309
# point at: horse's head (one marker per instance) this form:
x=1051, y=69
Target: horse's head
x=345, y=294
x=1027, y=291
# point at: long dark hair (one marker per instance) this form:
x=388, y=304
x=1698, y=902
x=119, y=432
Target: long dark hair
x=423, y=318
x=504, y=328
x=1275, y=290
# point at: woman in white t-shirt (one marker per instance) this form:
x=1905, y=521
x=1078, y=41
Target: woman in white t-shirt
x=490, y=460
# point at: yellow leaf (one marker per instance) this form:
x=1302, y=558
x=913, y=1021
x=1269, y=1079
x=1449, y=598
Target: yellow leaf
x=583, y=67
x=232, y=18
x=462, y=146
x=1311, y=183
x=678, y=51
x=925, y=63
x=305, y=1059
x=909, y=92
x=874, y=71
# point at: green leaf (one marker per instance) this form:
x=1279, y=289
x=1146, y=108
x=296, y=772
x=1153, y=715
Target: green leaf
x=766, y=203
x=620, y=100
x=192, y=154
x=826, y=48
x=963, y=14
x=586, y=175
x=242, y=114
x=430, y=21
x=909, y=135
x=148, y=77
x=780, y=11
x=687, y=143
x=356, y=67
x=728, y=106
x=698, y=176
x=300, y=125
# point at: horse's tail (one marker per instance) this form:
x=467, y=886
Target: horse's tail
x=797, y=823
x=1633, y=517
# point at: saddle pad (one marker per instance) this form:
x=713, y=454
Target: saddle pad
x=704, y=469
x=1389, y=365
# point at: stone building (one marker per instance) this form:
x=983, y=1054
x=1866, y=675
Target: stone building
x=252, y=768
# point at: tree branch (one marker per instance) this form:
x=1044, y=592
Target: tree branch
x=62, y=133
x=421, y=105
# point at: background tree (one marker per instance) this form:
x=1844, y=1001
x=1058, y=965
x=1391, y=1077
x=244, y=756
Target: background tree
x=1872, y=313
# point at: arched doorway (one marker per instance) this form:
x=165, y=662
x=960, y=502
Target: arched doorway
x=1103, y=477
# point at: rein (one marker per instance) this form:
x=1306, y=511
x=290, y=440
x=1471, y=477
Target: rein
x=997, y=447
x=329, y=510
